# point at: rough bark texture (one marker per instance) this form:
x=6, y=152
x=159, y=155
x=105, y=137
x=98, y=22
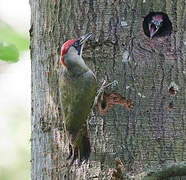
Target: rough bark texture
x=152, y=75
x=163, y=171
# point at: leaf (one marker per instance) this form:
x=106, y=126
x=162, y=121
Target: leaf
x=9, y=52
x=10, y=36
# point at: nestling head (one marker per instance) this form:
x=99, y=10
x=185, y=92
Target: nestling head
x=157, y=24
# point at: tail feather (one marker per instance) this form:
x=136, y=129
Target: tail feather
x=82, y=145
x=85, y=148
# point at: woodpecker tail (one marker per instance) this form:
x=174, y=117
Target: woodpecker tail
x=82, y=146
x=84, y=150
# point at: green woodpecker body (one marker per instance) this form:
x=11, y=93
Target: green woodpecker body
x=78, y=91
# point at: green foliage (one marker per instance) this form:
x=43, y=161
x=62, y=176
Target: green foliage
x=11, y=43
x=9, y=52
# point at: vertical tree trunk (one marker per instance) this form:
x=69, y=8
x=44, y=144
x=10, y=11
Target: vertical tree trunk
x=153, y=132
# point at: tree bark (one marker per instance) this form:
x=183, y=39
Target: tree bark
x=163, y=171
x=151, y=75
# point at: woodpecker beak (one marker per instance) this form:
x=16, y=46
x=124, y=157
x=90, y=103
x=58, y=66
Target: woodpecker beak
x=153, y=29
x=82, y=41
x=84, y=38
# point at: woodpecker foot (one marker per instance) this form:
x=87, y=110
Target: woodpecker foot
x=104, y=101
x=70, y=152
x=71, y=160
x=81, y=159
x=102, y=89
x=72, y=156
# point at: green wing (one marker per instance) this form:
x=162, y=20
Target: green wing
x=77, y=98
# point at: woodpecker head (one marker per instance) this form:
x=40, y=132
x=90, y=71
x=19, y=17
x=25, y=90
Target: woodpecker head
x=71, y=49
x=157, y=24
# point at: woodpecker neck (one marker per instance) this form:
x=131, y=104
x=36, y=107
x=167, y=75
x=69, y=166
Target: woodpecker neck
x=75, y=65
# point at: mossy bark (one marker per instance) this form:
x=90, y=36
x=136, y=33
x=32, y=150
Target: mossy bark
x=153, y=132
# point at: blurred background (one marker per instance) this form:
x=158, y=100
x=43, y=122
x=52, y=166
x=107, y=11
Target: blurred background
x=15, y=81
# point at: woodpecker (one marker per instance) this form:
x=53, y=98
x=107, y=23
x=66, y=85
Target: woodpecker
x=157, y=24
x=77, y=94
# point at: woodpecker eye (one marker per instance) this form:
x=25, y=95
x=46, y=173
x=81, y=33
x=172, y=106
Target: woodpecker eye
x=76, y=44
x=156, y=23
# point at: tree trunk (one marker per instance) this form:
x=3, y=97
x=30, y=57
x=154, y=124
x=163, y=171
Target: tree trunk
x=151, y=75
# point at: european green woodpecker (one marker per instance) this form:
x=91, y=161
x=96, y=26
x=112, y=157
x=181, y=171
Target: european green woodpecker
x=78, y=91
